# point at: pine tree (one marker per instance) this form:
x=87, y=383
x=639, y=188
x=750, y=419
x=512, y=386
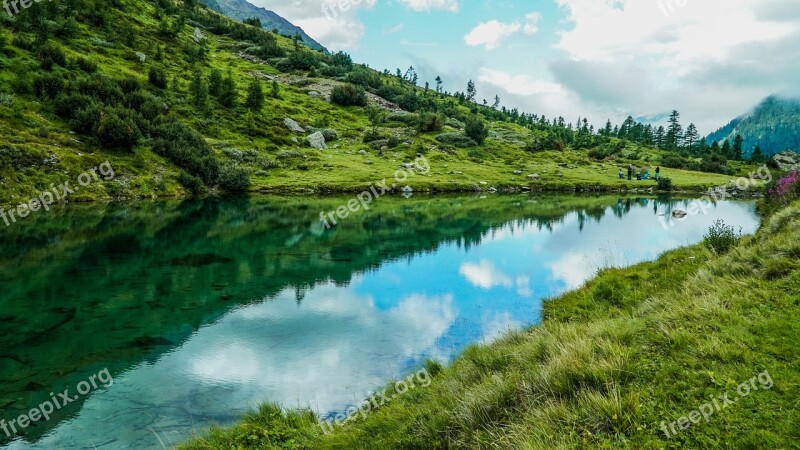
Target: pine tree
x=738, y=147
x=758, y=156
x=215, y=83
x=691, y=136
x=674, y=131
x=255, y=96
x=276, y=90
x=439, y=84
x=199, y=90
x=660, y=138
x=471, y=91
x=496, y=103
x=227, y=91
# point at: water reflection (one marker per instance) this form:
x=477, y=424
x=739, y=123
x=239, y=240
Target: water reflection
x=202, y=310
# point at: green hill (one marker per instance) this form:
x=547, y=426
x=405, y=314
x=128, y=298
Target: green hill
x=774, y=126
x=180, y=100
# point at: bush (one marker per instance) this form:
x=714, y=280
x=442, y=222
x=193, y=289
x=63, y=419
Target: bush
x=476, y=129
x=720, y=238
x=429, y=122
x=460, y=140
x=665, y=184
x=118, y=130
x=234, y=178
x=364, y=77
x=68, y=105
x=192, y=183
x=86, y=65
x=349, y=95
x=187, y=149
x=87, y=120
x=48, y=85
x=158, y=77
x=330, y=134
x=129, y=85
x=409, y=102
x=100, y=87
x=50, y=54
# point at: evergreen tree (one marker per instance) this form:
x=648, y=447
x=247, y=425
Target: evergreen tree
x=691, y=136
x=227, y=91
x=199, y=90
x=496, y=103
x=215, y=83
x=674, y=131
x=738, y=148
x=439, y=84
x=758, y=156
x=276, y=90
x=255, y=96
x=471, y=91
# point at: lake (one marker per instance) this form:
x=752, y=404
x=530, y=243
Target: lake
x=203, y=309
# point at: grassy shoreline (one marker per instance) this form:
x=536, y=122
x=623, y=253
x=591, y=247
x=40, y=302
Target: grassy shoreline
x=611, y=361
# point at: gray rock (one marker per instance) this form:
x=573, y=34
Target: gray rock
x=142, y=57
x=292, y=125
x=517, y=172
x=534, y=176
x=198, y=35
x=787, y=160
x=317, y=140
x=679, y=214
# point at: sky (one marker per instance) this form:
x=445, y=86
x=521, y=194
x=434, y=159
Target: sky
x=602, y=59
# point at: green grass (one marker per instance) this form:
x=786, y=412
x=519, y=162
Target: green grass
x=611, y=361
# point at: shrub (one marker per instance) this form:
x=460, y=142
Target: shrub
x=187, y=149
x=158, y=77
x=330, y=134
x=364, y=77
x=476, y=129
x=192, y=183
x=372, y=136
x=48, y=85
x=87, y=120
x=100, y=87
x=118, y=129
x=146, y=104
x=50, y=54
x=86, y=65
x=129, y=85
x=349, y=95
x=255, y=96
x=720, y=238
x=68, y=105
x=665, y=184
x=429, y=122
x=234, y=178
x=409, y=102
x=460, y=140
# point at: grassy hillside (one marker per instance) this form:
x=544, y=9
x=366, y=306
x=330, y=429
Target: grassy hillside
x=160, y=90
x=631, y=354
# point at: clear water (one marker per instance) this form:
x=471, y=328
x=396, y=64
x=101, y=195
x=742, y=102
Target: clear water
x=202, y=310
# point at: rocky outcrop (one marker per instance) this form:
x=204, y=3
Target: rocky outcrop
x=787, y=160
x=317, y=140
x=292, y=125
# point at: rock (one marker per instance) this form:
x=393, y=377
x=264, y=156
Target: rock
x=458, y=172
x=142, y=57
x=317, y=140
x=483, y=183
x=492, y=189
x=294, y=139
x=565, y=165
x=787, y=160
x=679, y=214
x=407, y=189
x=292, y=125
x=314, y=94
x=198, y=35
x=517, y=172
x=408, y=165
x=534, y=176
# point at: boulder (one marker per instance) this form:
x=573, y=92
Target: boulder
x=787, y=160
x=534, y=177
x=198, y=35
x=317, y=140
x=292, y=125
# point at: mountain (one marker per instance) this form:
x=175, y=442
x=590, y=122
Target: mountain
x=774, y=125
x=241, y=10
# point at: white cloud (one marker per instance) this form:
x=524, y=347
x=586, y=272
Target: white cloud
x=491, y=34
x=517, y=84
x=430, y=5
x=485, y=275
x=532, y=23
x=393, y=30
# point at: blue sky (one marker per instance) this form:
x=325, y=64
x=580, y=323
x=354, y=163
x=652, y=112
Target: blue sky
x=595, y=58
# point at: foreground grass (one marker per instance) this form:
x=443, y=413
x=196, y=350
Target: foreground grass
x=609, y=363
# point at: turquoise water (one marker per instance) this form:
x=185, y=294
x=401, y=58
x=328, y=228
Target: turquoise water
x=201, y=310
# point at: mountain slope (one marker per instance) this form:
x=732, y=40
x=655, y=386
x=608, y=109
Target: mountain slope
x=241, y=10
x=774, y=125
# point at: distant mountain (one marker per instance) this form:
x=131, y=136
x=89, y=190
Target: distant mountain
x=241, y=9
x=774, y=125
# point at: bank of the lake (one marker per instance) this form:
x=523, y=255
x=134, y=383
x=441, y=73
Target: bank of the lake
x=612, y=365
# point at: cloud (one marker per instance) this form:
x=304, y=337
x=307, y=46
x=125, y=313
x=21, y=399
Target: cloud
x=393, y=30
x=517, y=84
x=485, y=275
x=491, y=34
x=532, y=23
x=430, y=5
